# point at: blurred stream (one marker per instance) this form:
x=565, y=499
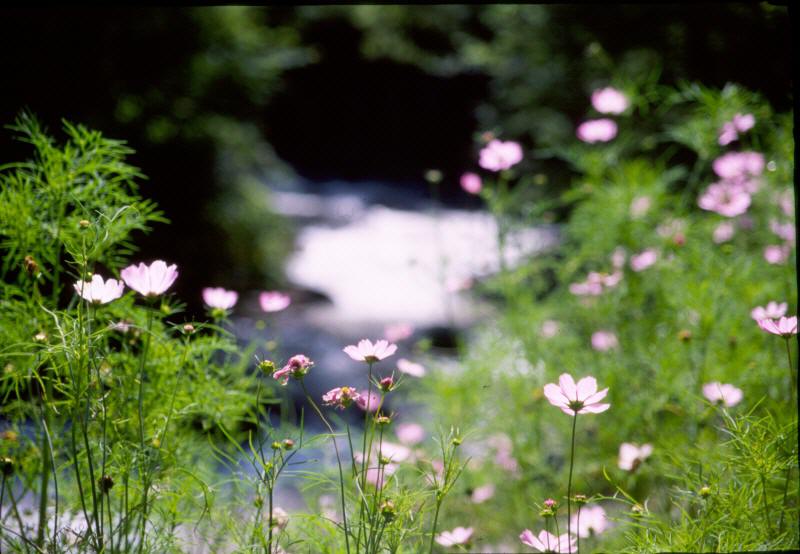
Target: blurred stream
x=368, y=256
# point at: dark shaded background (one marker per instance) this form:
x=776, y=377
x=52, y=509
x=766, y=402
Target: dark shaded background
x=213, y=97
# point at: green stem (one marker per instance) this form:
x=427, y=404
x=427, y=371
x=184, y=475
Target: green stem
x=791, y=373
x=569, y=484
x=435, y=521
x=785, y=493
x=766, y=506
x=338, y=461
x=142, y=462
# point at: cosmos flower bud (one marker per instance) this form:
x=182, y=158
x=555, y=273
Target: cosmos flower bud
x=388, y=510
x=266, y=366
x=456, y=441
x=31, y=267
x=382, y=420
x=9, y=435
x=684, y=335
x=288, y=444
x=580, y=499
x=637, y=510
x=188, y=329
x=7, y=465
x=84, y=223
x=106, y=483
x=705, y=491
x=386, y=384
x=383, y=460
x=276, y=445
x=41, y=336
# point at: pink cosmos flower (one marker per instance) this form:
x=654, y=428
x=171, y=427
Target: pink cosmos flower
x=499, y=155
x=549, y=329
x=618, y=257
x=725, y=198
x=723, y=232
x=120, y=326
x=785, y=231
x=739, y=164
x=726, y=394
x=368, y=401
x=597, y=130
x=410, y=433
x=640, y=206
x=786, y=202
x=643, y=260
x=410, y=368
x=631, y=455
x=398, y=331
x=459, y=535
x=151, y=280
x=471, y=183
x=274, y=301
x=220, y=298
x=773, y=310
x=580, y=398
x=593, y=521
x=340, y=397
x=728, y=134
x=482, y=494
x=744, y=122
x=98, y=291
x=777, y=254
x=609, y=100
x=785, y=326
x=604, y=340
x=547, y=542
x=586, y=289
x=395, y=452
x=370, y=353
x=297, y=367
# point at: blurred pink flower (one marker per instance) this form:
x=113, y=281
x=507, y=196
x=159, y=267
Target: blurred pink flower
x=631, y=455
x=410, y=368
x=725, y=198
x=586, y=289
x=410, y=433
x=640, y=206
x=580, y=398
x=593, y=521
x=777, y=254
x=220, y=298
x=395, y=452
x=398, y=331
x=597, y=130
x=643, y=260
x=604, y=340
x=98, y=291
x=274, y=301
x=786, y=202
x=609, y=100
x=377, y=477
x=471, y=183
x=151, y=280
x=482, y=493
x=744, y=122
x=297, y=367
x=728, y=134
x=549, y=328
x=723, y=232
x=120, y=326
x=739, y=164
x=368, y=401
x=365, y=351
x=785, y=231
x=459, y=535
x=340, y=397
x=547, y=542
x=618, y=257
x=773, y=310
x=726, y=394
x=785, y=326
x=499, y=155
